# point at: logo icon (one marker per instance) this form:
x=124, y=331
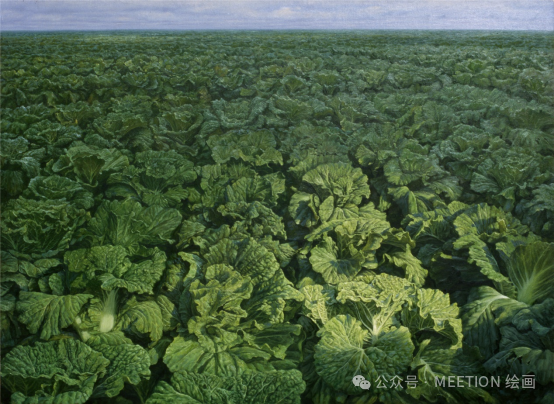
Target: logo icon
x=365, y=384
x=361, y=382
x=357, y=379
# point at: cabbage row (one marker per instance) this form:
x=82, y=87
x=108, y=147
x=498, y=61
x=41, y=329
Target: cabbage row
x=260, y=217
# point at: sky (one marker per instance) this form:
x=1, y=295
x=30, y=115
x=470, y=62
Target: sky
x=52, y=15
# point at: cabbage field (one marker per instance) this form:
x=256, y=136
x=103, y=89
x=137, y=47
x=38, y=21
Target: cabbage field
x=277, y=217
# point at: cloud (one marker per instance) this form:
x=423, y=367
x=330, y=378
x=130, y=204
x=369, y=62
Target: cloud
x=284, y=12
x=277, y=14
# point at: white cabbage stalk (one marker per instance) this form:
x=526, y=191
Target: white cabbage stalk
x=77, y=325
x=109, y=312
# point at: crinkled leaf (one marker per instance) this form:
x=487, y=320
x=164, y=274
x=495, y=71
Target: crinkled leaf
x=340, y=354
x=188, y=355
x=439, y=364
x=127, y=224
x=49, y=313
x=55, y=372
x=433, y=311
x=316, y=300
x=141, y=318
x=110, y=267
x=480, y=329
x=128, y=364
x=334, y=265
x=279, y=387
x=246, y=256
x=531, y=269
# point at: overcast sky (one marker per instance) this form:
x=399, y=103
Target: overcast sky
x=277, y=14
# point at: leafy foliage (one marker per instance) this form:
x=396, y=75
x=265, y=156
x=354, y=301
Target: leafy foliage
x=262, y=217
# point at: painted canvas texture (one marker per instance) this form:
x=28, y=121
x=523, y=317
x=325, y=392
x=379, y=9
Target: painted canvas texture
x=276, y=202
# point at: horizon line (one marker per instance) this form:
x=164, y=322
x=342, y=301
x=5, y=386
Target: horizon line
x=272, y=29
